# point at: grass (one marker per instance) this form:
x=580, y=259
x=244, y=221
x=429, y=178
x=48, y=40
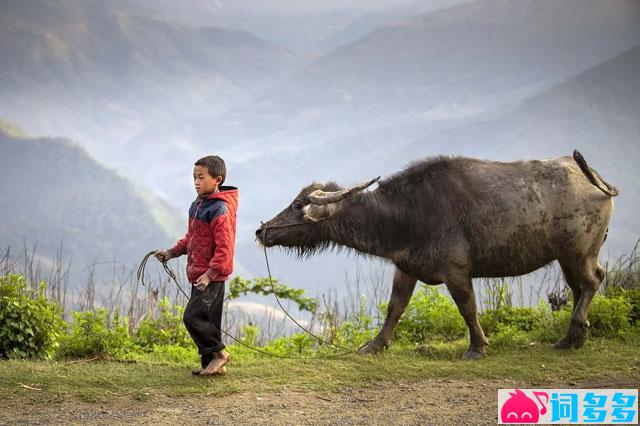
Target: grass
x=99, y=381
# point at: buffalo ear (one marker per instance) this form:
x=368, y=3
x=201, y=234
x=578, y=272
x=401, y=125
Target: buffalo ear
x=315, y=212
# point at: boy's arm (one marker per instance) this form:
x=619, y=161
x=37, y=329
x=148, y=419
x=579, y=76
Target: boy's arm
x=222, y=261
x=180, y=248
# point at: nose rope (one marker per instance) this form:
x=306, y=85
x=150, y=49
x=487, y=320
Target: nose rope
x=172, y=275
x=273, y=290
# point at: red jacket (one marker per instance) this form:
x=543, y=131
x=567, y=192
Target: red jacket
x=211, y=234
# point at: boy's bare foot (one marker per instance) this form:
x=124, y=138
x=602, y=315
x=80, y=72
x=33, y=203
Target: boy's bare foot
x=216, y=366
x=221, y=372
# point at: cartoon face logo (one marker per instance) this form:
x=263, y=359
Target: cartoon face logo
x=519, y=408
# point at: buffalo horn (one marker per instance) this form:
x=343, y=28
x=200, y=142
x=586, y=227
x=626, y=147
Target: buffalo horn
x=320, y=197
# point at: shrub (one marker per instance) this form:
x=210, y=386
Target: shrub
x=524, y=319
x=609, y=316
x=92, y=336
x=431, y=315
x=509, y=336
x=296, y=344
x=166, y=329
x=632, y=296
x=554, y=327
x=29, y=324
x=250, y=334
x=354, y=334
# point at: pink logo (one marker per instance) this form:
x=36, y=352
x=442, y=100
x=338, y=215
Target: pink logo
x=519, y=408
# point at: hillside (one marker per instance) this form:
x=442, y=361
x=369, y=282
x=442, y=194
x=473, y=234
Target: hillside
x=299, y=25
x=457, y=54
x=147, y=93
x=596, y=112
x=370, y=22
x=92, y=72
x=395, y=85
x=55, y=195
x=370, y=107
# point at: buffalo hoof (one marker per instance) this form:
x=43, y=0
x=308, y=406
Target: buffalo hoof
x=472, y=355
x=579, y=341
x=575, y=339
x=563, y=343
x=371, y=348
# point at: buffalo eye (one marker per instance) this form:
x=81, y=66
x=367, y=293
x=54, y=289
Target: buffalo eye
x=297, y=205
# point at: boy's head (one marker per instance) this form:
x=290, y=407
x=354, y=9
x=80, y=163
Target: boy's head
x=208, y=174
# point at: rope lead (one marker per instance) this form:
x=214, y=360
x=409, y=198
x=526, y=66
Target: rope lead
x=172, y=275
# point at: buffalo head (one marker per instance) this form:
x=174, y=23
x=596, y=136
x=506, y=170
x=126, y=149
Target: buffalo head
x=305, y=223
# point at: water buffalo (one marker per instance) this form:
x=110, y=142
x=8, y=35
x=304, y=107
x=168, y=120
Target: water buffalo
x=448, y=220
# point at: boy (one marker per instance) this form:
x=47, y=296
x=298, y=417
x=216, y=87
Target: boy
x=209, y=246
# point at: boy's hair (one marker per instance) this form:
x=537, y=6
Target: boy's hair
x=215, y=166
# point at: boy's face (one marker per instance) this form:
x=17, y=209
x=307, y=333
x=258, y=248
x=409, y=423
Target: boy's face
x=204, y=183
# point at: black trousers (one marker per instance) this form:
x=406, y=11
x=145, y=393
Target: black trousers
x=203, y=319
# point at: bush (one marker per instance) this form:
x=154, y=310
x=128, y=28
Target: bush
x=524, y=319
x=609, y=316
x=166, y=329
x=554, y=325
x=509, y=336
x=29, y=324
x=295, y=345
x=92, y=336
x=431, y=315
x=250, y=335
x=632, y=296
x=354, y=334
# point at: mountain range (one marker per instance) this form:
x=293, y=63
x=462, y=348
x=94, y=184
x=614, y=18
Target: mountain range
x=444, y=69
x=596, y=112
x=364, y=90
x=56, y=197
x=90, y=72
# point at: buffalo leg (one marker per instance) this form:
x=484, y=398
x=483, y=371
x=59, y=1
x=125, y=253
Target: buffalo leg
x=401, y=292
x=573, y=284
x=586, y=275
x=462, y=292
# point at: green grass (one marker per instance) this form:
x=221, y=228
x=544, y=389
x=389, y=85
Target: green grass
x=97, y=381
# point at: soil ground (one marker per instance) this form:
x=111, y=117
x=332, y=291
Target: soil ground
x=423, y=402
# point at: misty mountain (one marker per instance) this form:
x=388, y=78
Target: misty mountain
x=459, y=54
x=306, y=27
x=55, y=196
x=370, y=108
x=89, y=71
x=370, y=22
x=145, y=91
x=596, y=112
x=428, y=71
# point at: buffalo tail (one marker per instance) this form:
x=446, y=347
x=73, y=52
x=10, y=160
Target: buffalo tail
x=593, y=176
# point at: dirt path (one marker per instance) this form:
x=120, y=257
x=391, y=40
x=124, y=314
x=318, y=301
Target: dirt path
x=434, y=401
x=426, y=402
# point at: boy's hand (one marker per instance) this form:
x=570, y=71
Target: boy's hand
x=162, y=255
x=202, y=282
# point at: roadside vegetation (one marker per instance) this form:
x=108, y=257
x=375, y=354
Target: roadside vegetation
x=103, y=351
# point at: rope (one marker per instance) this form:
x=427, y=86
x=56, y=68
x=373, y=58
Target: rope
x=172, y=275
x=266, y=258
